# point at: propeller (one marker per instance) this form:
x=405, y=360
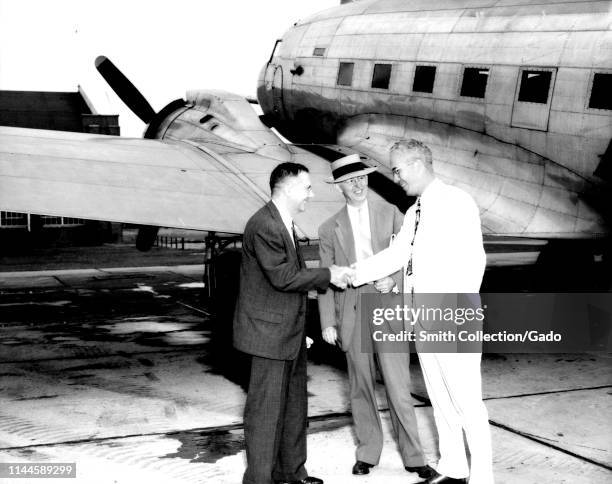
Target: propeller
x=126, y=91
x=132, y=98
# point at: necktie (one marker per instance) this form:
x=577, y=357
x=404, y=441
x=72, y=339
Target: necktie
x=297, y=246
x=417, y=218
x=365, y=238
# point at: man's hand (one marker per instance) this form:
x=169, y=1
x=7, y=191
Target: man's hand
x=384, y=285
x=309, y=342
x=353, y=276
x=330, y=335
x=341, y=276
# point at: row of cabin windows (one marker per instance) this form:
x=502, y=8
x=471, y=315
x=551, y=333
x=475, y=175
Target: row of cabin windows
x=534, y=88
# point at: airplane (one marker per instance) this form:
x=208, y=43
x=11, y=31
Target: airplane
x=513, y=98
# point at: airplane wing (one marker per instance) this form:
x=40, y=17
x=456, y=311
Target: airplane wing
x=192, y=185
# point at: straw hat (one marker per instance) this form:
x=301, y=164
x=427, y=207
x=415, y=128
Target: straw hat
x=348, y=167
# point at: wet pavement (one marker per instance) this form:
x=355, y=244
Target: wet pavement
x=127, y=373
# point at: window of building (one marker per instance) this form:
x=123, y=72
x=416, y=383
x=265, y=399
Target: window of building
x=424, y=77
x=474, y=82
x=345, y=73
x=319, y=51
x=13, y=219
x=72, y=221
x=381, y=76
x=601, y=91
x=50, y=220
x=535, y=86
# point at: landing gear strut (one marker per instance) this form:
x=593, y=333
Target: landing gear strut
x=221, y=265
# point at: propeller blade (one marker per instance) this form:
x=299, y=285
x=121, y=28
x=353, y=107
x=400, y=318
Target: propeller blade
x=126, y=91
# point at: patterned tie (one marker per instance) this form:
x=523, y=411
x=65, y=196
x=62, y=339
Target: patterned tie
x=417, y=218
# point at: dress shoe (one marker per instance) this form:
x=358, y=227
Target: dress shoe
x=424, y=472
x=306, y=480
x=440, y=479
x=360, y=468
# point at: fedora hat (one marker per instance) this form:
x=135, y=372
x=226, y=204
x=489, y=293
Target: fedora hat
x=348, y=167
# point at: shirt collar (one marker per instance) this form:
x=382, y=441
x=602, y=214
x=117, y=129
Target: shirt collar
x=430, y=190
x=285, y=215
x=355, y=210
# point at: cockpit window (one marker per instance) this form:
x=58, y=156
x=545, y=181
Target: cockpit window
x=474, y=82
x=535, y=86
x=273, y=53
x=345, y=74
x=319, y=51
x=381, y=76
x=601, y=93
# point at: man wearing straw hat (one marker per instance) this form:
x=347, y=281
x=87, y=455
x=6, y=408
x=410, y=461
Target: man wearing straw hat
x=360, y=229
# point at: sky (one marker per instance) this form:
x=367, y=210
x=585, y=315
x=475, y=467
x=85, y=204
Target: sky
x=164, y=47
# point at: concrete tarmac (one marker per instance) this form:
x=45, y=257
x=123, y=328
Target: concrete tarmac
x=126, y=373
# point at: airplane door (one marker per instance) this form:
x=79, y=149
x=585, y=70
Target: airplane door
x=533, y=98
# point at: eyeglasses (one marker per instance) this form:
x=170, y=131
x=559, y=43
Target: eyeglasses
x=358, y=180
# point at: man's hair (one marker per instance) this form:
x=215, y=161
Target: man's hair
x=419, y=146
x=284, y=170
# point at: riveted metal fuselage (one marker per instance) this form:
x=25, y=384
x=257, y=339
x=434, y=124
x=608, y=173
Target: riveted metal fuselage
x=530, y=163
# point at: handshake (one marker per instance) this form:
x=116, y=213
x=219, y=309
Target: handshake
x=342, y=276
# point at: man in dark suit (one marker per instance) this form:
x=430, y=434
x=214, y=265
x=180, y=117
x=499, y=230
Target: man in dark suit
x=360, y=229
x=269, y=325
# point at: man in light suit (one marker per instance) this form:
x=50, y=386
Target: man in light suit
x=361, y=228
x=269, y=325
x=440, y=248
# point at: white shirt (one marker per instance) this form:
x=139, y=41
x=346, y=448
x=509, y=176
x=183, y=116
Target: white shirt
x=286, y=217
x=360, y=225
x=448, y=254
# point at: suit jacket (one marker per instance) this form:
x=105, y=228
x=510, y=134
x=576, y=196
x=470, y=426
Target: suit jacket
x=271, y=309
x=337, y=246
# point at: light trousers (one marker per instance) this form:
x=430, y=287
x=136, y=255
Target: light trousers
x=454, y=386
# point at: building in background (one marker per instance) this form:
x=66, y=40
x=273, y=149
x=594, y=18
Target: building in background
x=62, y=111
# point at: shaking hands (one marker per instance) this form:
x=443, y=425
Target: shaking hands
x=341, y=276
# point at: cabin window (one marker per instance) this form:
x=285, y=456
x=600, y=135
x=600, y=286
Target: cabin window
x=601, y=92
x=474, y=82
x=319, y=51
x=345, y=73
x=424, y=77
x=381, y=76
x=535, y=86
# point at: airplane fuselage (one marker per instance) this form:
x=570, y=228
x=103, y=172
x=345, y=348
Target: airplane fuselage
x=514, y=100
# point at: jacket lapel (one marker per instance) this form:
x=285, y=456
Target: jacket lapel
x=289, y=246
x=345, y=235
x=375, y=227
